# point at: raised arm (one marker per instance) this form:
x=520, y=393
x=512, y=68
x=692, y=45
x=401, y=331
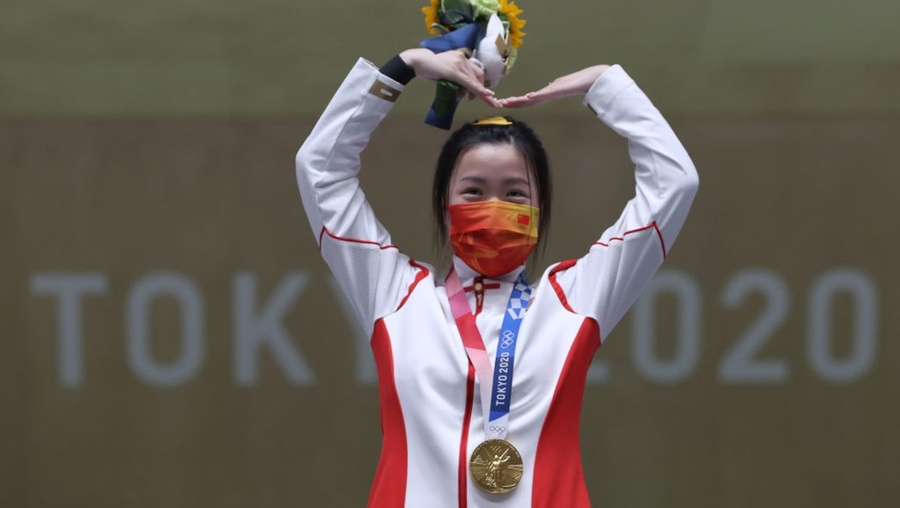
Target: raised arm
x=372, y=272
x=605, y=283
x=329, y=160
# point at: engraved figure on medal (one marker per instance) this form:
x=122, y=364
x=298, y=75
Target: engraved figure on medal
x=496, y=466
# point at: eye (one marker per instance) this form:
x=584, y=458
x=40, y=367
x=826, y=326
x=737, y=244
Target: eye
x=473, y=191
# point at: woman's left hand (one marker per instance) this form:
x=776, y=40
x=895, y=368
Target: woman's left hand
x=577, y=83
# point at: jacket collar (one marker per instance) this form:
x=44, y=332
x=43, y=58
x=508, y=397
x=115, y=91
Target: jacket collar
x=466, y=273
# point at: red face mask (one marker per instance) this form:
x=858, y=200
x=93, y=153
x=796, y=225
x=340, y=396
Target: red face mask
x=493, y=237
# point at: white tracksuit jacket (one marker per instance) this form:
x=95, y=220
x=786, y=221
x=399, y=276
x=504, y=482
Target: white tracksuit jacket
x=431, y=412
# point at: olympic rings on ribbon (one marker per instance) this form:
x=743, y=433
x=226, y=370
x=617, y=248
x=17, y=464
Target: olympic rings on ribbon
x=507, y=339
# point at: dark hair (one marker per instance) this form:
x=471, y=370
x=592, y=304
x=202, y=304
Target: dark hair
x=519, y=135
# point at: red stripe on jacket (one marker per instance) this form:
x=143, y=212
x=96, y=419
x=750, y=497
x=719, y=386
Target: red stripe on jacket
x=558, y=475
x=389, y=487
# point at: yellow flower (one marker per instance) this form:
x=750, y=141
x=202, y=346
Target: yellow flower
x=431, y=16
x=510, y=12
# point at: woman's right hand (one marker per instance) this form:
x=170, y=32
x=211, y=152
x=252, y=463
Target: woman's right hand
x=451, y=66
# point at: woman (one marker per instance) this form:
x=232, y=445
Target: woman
x=481, y=399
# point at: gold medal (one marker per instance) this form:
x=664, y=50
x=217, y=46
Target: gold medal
x=496, y=466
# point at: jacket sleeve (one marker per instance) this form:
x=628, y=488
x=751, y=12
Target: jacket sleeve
x=606, y=282
x=372, y=273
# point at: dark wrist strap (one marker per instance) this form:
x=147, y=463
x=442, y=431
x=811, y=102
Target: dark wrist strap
x=398, y=70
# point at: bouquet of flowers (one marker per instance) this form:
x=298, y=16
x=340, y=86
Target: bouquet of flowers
x=489, y=31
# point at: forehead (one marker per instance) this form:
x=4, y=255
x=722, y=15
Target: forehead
x=492, y=161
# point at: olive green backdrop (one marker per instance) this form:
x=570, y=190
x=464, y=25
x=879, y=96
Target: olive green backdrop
x=169, y=336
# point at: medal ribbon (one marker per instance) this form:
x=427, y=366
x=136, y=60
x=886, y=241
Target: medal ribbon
x=496, y=396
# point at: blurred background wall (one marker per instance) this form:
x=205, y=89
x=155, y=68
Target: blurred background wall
x=169, y=336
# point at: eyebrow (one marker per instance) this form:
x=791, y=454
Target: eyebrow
x=507, y=181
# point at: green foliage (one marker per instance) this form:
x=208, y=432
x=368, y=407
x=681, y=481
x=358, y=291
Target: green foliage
x=456, y=13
